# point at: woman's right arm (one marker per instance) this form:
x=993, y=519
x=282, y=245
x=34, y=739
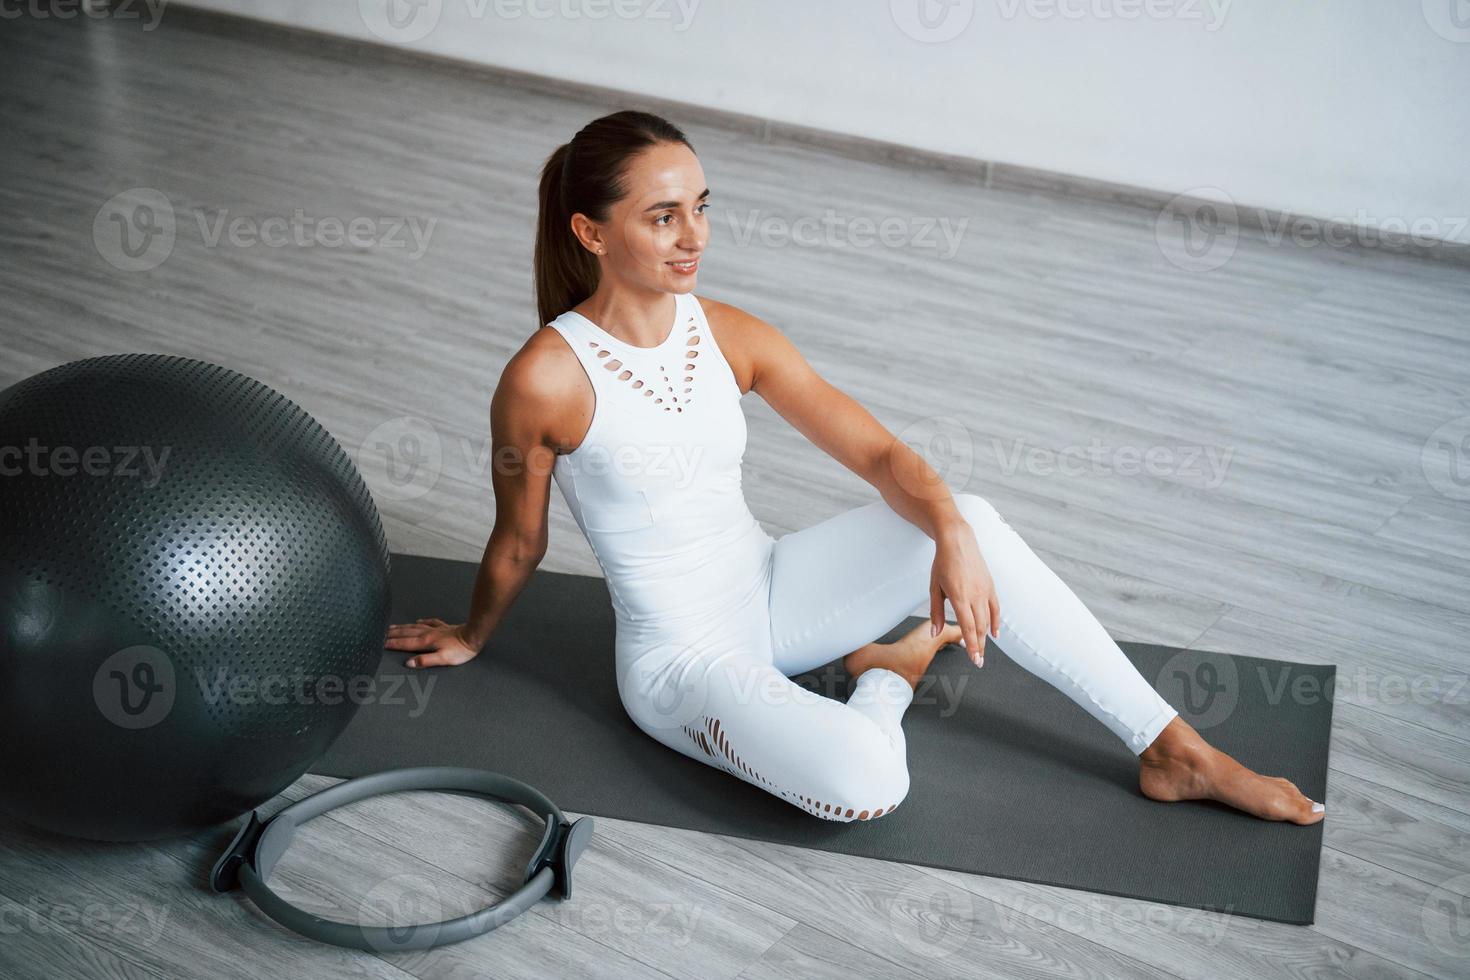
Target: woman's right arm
x=524, y=420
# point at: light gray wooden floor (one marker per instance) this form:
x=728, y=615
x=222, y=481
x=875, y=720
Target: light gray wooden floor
x=1333, y=383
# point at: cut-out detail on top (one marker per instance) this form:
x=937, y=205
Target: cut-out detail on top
x=611, y=362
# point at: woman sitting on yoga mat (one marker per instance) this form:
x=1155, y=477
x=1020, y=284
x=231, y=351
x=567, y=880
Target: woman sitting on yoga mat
x=629, y=397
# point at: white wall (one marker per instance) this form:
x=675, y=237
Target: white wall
x=1357, y=110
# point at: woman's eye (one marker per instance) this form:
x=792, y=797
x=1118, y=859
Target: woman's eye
x=700, y=208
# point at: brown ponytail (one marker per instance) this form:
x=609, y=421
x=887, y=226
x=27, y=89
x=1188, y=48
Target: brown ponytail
x=585, y=176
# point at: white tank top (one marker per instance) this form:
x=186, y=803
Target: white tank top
x=655, y=483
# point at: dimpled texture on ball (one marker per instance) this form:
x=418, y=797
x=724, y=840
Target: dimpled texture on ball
x=204, y=515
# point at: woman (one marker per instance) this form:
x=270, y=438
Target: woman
x=639, y=423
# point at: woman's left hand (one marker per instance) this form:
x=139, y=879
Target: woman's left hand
x=961, y=576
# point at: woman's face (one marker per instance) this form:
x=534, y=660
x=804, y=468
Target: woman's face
x=655, y=235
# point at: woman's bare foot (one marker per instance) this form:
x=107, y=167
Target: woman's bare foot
x=1181, y=765
x=908, y=657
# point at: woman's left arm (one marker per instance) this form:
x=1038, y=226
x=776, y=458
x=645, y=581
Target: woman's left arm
x=841, y=427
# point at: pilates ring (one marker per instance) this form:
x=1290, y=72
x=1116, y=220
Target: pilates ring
x=248, y=861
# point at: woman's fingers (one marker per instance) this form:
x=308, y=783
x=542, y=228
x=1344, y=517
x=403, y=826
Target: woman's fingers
x=965, y=613
x=994, y=614
x=982, y=627
x=936, y=608
x=417, y=642
x=436, y=659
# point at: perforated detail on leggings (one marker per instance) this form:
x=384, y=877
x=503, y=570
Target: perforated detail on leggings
x=670, y=399
x=716, y=744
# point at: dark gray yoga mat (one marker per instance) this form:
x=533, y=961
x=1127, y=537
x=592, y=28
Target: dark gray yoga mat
x=1008, y=776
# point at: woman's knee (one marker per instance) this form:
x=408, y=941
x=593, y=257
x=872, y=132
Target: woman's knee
x=860, y=787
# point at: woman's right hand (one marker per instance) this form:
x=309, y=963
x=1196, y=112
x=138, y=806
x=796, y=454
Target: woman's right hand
x=434, y=642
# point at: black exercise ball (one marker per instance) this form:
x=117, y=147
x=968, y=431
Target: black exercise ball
x=193, y=595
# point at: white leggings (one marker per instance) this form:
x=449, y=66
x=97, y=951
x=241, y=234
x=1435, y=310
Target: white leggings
x=719, y=691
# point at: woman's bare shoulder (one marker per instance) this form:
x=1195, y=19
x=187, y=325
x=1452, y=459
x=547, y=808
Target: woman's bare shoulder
x=742, y=337
x=543, y=393
x=749, y=343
